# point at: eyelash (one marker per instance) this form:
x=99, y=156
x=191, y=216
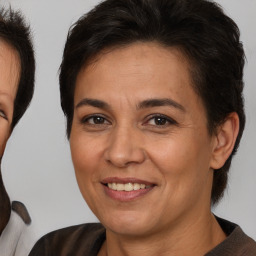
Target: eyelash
x=162, y=118
x=167, y=120
x=86, y=119
x=2, y=114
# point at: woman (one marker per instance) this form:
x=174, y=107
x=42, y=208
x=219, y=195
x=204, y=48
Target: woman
x=152, y=92
x=17, y=68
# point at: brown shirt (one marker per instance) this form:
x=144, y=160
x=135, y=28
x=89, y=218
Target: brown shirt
x=87, y=239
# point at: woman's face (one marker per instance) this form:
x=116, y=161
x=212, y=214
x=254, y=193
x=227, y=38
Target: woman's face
x=9, y=77
x=139, y=140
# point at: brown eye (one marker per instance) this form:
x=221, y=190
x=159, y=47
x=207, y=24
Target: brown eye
x=95, y=120
x=160, y=120
x=98, y=120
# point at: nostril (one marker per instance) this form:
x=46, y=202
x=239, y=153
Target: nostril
x=125, y=157
x=124, y=146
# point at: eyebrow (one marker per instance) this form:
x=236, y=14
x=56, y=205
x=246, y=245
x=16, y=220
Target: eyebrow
x=94, y=103
x=144, y=104
x=159, y=103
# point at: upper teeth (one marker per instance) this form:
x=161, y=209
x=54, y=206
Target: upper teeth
x=126, y=186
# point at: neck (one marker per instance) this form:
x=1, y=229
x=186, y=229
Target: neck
x=5, y=206
x=196, y=238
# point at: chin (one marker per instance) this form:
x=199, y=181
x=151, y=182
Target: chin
x=128, y=223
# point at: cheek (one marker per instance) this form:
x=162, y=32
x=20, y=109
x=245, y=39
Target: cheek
x=87, y=163
x=4, y=135
x=182, y=160
x=186, y=178
x=85, y=156
x=172, y=154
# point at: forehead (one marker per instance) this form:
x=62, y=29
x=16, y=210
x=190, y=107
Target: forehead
x=9, y=70
x=136, y=67
x=132, y=53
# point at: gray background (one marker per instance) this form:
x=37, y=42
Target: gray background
x=37, y=166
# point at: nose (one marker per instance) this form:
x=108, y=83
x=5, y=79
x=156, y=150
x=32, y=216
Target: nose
x=124, y=148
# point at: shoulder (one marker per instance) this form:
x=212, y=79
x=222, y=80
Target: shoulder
x=237, y=242
x=81, y=239
x=22, y=211
x=13, y=237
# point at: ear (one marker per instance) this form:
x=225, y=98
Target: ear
x=224, y=140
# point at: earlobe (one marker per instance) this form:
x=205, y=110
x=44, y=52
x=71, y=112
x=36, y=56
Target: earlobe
x=225, y=139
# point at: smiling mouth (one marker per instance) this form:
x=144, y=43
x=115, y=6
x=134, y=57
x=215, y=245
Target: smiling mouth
x=127, y=186
x=126, y=189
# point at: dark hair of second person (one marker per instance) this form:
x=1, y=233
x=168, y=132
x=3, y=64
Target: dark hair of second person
x=200, y=30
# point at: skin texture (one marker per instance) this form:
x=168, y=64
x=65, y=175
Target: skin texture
x=9, y=77
x=9, y=70
x=167, y=145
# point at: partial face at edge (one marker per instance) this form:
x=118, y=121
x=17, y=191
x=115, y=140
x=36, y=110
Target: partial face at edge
x=9, y=78
x=137, y=120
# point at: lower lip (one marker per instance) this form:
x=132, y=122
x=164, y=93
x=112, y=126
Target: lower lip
x=126, y=196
